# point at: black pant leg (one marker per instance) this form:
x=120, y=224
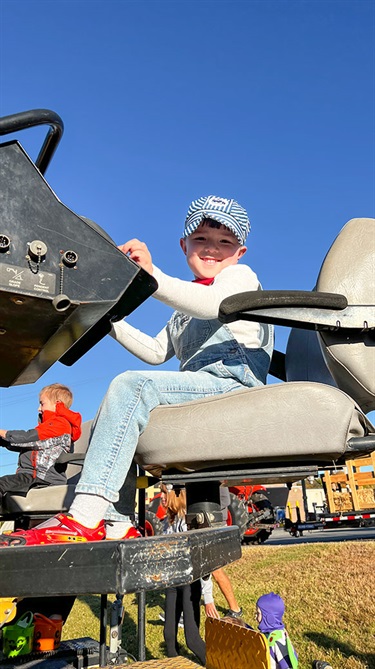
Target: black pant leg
x=16, y=483
x=191, y=595
x=173, y=608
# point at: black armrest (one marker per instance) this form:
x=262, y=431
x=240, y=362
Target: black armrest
x=362, y=444
x=294, y=308
x=235, y=307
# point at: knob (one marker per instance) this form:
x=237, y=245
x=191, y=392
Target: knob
x=37, y=250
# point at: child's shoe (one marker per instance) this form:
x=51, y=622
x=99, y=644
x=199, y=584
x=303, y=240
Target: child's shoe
x=58, y=530
x=131, y=533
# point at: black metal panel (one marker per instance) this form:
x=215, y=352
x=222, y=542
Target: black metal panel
x=50, y=306
x=153, y=563
x=246, y=475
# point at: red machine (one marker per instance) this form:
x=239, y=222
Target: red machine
x=249, y=509
x=251, y=504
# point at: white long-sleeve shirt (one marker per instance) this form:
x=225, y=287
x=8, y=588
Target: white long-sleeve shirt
x=195, y=300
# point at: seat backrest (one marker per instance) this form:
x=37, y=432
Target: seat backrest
x=73, y=471
x=304, y=360
x=349, y=269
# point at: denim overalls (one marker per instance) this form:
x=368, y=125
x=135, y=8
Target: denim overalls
x=212, y=362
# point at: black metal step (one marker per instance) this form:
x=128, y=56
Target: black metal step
x=118, y=567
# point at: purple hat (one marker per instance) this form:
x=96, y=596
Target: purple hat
x=220, y=209
x=272, y=608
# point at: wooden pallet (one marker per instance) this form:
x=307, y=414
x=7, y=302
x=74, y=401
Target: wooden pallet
x=359, y=486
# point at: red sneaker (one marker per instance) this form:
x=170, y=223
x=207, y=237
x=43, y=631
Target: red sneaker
x=132, y=533
x=65, y=530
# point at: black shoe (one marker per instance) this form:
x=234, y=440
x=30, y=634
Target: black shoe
x=233, y=614
x=320, y=664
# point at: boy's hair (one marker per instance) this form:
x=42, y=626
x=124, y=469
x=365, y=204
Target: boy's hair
x=57, y=392
x=211, y=223
x=236, y=621
x=227, y=212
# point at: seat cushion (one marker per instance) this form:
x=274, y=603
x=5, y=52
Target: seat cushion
x=51, y=499
x=296, y=421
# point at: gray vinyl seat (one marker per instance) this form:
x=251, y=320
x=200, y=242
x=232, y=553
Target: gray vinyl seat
x=279, y=431
x=41, y=502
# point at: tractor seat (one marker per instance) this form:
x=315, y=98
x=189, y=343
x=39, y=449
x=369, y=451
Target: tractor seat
x=41, y=502
x=301, y=421
x=279, y=426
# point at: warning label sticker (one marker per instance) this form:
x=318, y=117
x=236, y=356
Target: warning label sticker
x=22, y=278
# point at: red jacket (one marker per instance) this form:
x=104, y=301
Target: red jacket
x=61, y=421
x=37, y=454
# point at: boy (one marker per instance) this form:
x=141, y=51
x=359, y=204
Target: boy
x=269, y=614
x=214, y=359
x=40, y=447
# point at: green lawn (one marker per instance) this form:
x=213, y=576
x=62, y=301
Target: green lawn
x=329, y=591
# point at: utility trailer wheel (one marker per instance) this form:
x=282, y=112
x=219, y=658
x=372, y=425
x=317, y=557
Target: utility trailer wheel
x=237, y=514
x=260, y=538
x=153, y=525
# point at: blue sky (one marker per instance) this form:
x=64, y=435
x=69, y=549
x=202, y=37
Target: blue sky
x=269, y=102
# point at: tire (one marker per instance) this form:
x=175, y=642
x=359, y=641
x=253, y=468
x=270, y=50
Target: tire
x=237, y=514
x=263, y=536
x=153, y=525
x=260, y=537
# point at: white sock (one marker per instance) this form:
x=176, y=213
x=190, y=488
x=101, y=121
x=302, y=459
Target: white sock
x=89, y=510
x=116, y=529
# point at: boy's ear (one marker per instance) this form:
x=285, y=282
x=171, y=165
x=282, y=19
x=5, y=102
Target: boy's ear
x=241, y=251
x=183, y=244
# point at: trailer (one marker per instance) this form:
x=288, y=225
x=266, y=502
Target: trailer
x=349, y=493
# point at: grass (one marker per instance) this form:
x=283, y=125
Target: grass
x=328, y=590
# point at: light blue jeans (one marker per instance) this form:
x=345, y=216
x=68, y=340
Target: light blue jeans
x=124, y=415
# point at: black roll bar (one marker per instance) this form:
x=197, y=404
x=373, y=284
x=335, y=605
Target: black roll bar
x=29, y=119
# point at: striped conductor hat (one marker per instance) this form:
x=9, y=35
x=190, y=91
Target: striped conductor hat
x=220, y=209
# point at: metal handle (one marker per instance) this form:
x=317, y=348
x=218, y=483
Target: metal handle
x=28, y=119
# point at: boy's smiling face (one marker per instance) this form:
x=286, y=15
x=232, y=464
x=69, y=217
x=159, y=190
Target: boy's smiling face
x=209, y=250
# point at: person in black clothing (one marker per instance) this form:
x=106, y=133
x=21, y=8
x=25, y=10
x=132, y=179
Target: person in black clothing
x=183, y=599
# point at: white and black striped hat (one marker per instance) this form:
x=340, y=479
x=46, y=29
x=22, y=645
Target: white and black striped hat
x=220, y=209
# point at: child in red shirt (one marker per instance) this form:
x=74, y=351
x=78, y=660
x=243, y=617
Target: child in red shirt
x=41, y=446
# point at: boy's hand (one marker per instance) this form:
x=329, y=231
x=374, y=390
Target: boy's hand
x=138, y=252
x=3, y=434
